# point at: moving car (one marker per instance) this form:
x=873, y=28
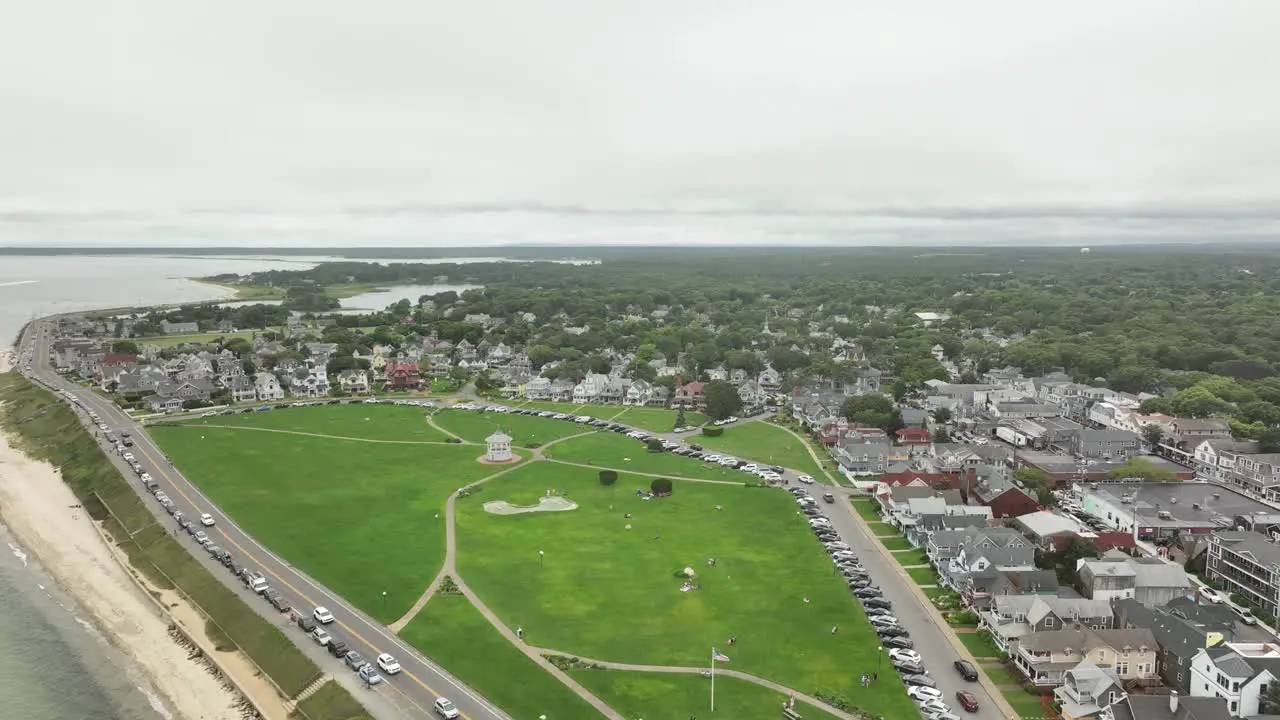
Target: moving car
x=967, y=700
x=444, y=708
x=1211, y=595
x=388, y=664
x=828, y=497
x=1245, y=615
x=206, y=519
x=966, y=670
x=322, y=615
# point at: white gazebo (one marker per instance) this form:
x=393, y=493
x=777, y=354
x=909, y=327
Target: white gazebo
x=499, y=447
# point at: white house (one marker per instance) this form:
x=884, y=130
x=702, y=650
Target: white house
x=353, y=381
x=1238, y=672
x=538, y=388
x=266, y=387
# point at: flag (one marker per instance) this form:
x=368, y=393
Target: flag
x=717, y=656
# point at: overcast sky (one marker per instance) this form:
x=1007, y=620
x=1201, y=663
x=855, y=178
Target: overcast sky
x=428, y=121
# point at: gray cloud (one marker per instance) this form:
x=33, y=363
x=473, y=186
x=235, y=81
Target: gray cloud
x=630, y=120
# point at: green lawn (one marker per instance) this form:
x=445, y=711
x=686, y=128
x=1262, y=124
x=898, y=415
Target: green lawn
x=1027, y=706
x=658, y=420
x=369, y=422
x=869, y=510
x=608, y=592
x=896, y=543
x=923, y=576
x=979, y=643
x=1002, y=676
x=765, y=443
x=935, y=592
x=359, y=517
x=615, y=450
x=664, y=695
x=455, y=635
x=881, y=529
x=524, y=430
x=202, y=338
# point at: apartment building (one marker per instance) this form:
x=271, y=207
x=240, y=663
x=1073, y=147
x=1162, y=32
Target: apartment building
x=1246, y=563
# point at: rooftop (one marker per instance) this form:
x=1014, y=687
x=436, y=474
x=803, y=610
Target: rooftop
x=1190, y=504
x=1251, y=544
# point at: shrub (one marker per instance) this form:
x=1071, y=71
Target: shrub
x=712, y=431
x=608, y=477
x=654, y=445
x=453, y=440
x=660, y=486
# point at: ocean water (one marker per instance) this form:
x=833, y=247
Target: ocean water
x=55, y=665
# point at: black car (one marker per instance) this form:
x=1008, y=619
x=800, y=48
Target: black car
x=696, y=447
x=337, y=648
x=899, y=643
x=867, y=592
x=918, y=680
x=306, y=623
x=966, y=670
x=863, y=586
x=908, y=668
x=876, y=611
x=877, y=603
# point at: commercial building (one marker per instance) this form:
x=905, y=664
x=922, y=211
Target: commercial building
x=1248, y=564
x=1163, y=510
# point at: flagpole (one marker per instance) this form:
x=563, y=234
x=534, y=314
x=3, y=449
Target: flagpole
x=713, y=679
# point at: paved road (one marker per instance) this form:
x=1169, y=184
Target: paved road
x=407, y=695
x=931, y=641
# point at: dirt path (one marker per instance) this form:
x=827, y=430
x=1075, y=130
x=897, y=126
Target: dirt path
x=329, y=437
x=641, y=472
x=683, y=670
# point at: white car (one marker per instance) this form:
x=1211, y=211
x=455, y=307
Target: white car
x=712, y=458
x=322, y=615
x=206, y=520
x=444, y=708
x=923, y=694
x=129, y=457
x=388, y=664
x=806, y=479
x=907, y=655
x=1211, y=595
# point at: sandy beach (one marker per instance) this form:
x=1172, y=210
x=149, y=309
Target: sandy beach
x=37, y=507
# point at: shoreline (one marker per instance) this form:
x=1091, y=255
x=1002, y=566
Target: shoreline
x=42, y=514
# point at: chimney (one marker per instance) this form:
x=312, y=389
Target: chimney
x=1173, y=702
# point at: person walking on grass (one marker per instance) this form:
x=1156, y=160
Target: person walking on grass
x=519, y=633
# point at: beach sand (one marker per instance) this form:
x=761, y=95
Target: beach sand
x=37, y=507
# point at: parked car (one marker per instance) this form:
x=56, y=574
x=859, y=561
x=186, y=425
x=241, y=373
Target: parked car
x=921, y=693
x=1211, y=595
x=321, y=636
x=886, y=631
x=305, y=623
x=967, y=700
x=896, y=642
x=966, y=670
x=338, y=648
x=1245, y=615
x=354, y=660
x=369, y=675
x=918, y=680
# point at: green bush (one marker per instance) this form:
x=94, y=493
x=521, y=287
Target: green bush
x=654, y=445
x=661, y=486
x=712, y=431
x=608, y=477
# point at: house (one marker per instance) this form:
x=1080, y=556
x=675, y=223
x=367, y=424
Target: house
x=614, y=390
x=1003, y=497
x=1186, y=433
x=769, y=380
x=1107, y=444
x=1046, y=657
x=163, y=403
x=1246, y=563
x=688, y=395
x=266, y=387
x=590, y=389
x=1115, y=575
x=171, y=395
x=750, y=393
x=1237, y=672
x=1045, y=525
x=984, y=551
x=561, y=390
x=354, y=381
x=309, y=381
x=180, y=328
x=403, y=375
x=538, y=388
x=737, y=376
x=914, y=436
x=1178, y=636
x=226, y=326
x=980, y=588
x=1086, y=689
x=241, y=389
x=1173, y=707
x=1010, y=618
x=1215, y=459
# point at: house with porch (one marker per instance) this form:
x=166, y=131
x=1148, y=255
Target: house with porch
x=993, y=549
x=403, y=375
x=689, y=395
x=266, y=387
x=1046, y=657
x=980, y=588
x=354, y=381
x=538, y=388
x=1086, y=690
x=242, y=389
x=1012, y=617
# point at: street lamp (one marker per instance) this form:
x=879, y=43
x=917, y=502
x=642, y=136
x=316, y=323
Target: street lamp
x=384, y=602
x=879, y=659
x=541, y=554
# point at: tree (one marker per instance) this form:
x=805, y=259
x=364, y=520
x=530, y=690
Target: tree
x=1269, y=703
x=940, y=436
x=942, y=415
x=654, y=445
x=124, y=347
x=660, y=486
x=1269, y=440
x=1063, y=562
x=608, y=477
x=721, y=399
x=870, y=411
x=1152, y=433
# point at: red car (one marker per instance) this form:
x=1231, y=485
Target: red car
x=967, y=701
